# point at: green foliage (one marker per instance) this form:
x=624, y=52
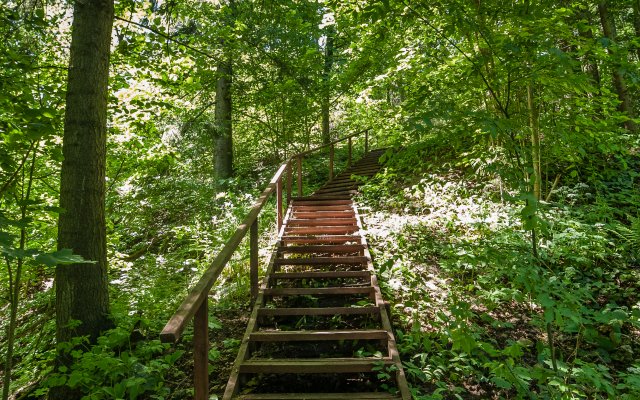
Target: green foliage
x=115, y=368
x=476, y=308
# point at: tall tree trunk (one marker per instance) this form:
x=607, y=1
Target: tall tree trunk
x=535, y=141
x=81, y=289
x=326, y=77
x=609, y=30
x=223, y=134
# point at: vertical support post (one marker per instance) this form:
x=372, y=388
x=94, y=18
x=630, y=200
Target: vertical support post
x=253, y=259
x=289, y=179
x=349, y=159
x=279, y=202
x=366, y=141
x=331, y=151
x=201, y=352
x=299, y=175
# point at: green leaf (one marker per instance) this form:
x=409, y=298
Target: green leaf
x=64, y=256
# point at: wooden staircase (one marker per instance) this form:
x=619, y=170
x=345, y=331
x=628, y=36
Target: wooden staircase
x=320, y=328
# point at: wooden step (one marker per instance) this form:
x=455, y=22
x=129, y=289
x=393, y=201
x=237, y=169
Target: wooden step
x=286, y=336
x=322, y=261
x=346, y=248
x=311, y=311
x=320, y=275
x=319, y=201
x=329, y=239
x=322, y=222
x=313, y=365
x=319, y=396
x=323, y=214
x=320, y=230
x=313, y=208
x=323, y=291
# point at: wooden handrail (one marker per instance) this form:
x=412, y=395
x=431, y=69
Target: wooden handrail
x=195, y=305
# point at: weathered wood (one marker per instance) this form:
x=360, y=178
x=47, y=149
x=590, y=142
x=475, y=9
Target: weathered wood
x=347, y=248
x=313, y=366
x=321, y=260
x=320, y=275
x=309, y=208
x=322, y=201
x=253, y=259
x=201, y=352
x=330, y=239
x=325, y=291
x=321, y=230
x=285, y=336
x=311, y=311
x=323, y=214
x=321, y=222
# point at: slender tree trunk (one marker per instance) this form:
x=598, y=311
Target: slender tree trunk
x=326, y=77
x=535, y=142
x=223, y=134
x=609, y=30
x=81, y=289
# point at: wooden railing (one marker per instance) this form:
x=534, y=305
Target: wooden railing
x=195, y=305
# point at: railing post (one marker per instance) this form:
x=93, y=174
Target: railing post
x=279, y=202
x=289, y=179
x=253, y=259
x=366, y=141
x=331, y=150
x=299, y=175
x=349, y=159
x=201, y=352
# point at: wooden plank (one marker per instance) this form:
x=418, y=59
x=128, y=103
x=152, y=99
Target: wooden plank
x=345, y=248
x=321, y=222
x=341, y=191
x=324, y=291
x=319, y=201
x=365, y=274
x=313, y=365
x=312, y=208
x=320, y=230
x=323, y=214
x=281, y=312
x=332, y=239
x=319, y=396
x=322, y=261
x=285, y=336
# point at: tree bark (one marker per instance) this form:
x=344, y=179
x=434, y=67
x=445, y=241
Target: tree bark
x=223, y=135
x=81, y=289
x=326, y=78
x=609, y=30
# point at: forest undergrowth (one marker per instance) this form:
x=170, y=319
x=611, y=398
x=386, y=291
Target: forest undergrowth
x=477, y=314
